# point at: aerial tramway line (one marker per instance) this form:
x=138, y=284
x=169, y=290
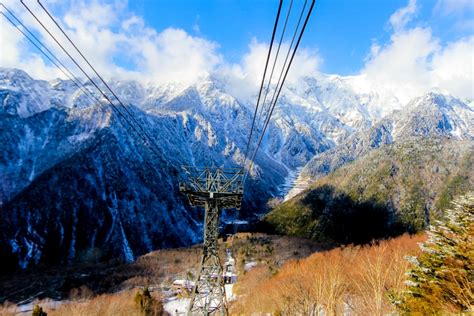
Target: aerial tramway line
x=132, y=124
x=211, y=188
x=217, y=188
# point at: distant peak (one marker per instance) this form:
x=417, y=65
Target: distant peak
x=13, y=73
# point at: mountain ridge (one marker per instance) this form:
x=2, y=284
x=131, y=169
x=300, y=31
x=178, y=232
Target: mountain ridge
x=431, y=115
x=399, y=187
x=199, y=125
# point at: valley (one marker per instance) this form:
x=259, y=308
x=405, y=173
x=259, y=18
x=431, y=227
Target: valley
x=75, y=180
x=84, y=218
x=76, y=287
x=280, y=158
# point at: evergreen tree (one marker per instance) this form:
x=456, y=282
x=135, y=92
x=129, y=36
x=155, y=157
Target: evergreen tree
x=147, y=304
x=442, y=277
x=38, y=311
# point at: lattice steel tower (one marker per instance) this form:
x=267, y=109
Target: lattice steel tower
x=215, y=189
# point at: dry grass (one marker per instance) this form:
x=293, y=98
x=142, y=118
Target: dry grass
x=271, y=250
x=106, y=304
x=111, y=289
x=351, y=279
x=84, y=281
x=115, y=286
x=162, y=267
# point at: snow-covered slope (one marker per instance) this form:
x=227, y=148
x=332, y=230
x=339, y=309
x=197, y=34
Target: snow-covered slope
x=73, y=178
x=430, y=116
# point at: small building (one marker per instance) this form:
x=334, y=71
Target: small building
x=182, y=286
x=229, y=271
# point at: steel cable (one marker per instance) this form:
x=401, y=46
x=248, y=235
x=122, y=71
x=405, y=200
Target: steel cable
x=53, y=59
x=279, y=89
x=263, y=80
x=274, y=65
x=115, y=108
x=98, y=75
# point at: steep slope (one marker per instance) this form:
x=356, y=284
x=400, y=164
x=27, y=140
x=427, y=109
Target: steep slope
x=34, y=144
x=103, y=198
x=432, y=115
x=74, y=181
x=64, y=157
x=105, y=189
x=300, y=129
x=399, y=187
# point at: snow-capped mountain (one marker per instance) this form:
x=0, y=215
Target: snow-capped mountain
x=75, y=178
x=429, y=116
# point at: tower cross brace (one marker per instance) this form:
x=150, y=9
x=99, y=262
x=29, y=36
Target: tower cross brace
x=213, y=189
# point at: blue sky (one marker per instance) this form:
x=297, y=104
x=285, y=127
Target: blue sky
x=405, y=46
x=341, y=30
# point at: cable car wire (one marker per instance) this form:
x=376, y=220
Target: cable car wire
x=263, y=80
x=51, y=57
x=98, y=75
x=115, y=108
x=279, y=89
x=259, y=119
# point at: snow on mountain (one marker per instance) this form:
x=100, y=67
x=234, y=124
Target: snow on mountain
x=35, y=96
x=432, y=115
x=435, y=114
x=75, y=178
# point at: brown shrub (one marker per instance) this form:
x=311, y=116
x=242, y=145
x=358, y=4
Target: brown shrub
x=80, y=293
x=354, y=279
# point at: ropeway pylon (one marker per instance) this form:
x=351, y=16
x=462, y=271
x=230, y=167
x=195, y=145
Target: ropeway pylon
x=215, y=189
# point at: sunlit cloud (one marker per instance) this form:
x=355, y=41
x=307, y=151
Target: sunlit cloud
x=415, y=61
x=121, y=45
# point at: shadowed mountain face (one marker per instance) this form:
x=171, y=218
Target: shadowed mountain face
x=100, y=197
x=99, y=189
x=401, y=187
x=77, y=183
x=328, y=215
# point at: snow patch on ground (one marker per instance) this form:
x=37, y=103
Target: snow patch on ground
x=72, y=247
x=229, y=292
x=289, y=182
x=177, y=306
x=80, y=137
x=250, y=265
x=296, y=184
x=127, y=251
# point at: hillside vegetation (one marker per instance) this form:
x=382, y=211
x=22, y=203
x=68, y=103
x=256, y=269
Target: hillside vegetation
x=355, y=280
x=398, y=188
x=441, y=278
x=292, y=276
x=100, y=288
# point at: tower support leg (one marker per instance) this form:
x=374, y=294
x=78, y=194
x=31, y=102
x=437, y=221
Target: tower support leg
x=208, y=295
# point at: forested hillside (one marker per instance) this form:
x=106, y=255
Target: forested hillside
x=398, y=188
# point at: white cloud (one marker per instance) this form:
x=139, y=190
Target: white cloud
x=305, y=63
x=244, y=78
x=454, y=6
x=402, y=16
x=196, y=27
x=175, y=55
x=462, y=11
x=415, y=62
x=116, y=42
x=120, y=45
x=402, y=65
x=453, y=67
x=15, y=52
